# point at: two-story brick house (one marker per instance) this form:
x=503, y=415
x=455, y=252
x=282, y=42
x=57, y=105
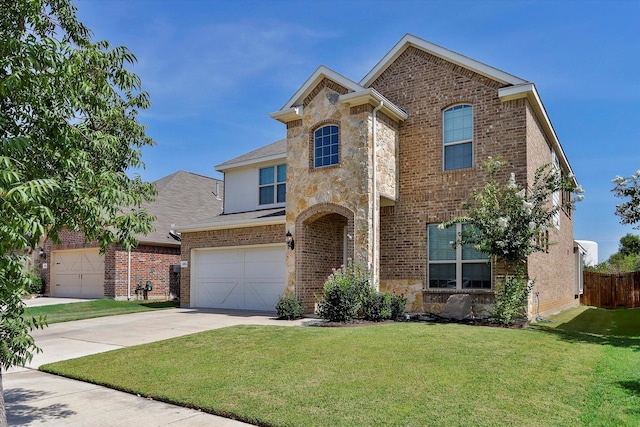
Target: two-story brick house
x=367, y=171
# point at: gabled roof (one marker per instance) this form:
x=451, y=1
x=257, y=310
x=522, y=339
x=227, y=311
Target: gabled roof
x=356, y=95
x=315, y=78
x=273, y=151
x=183, y=198
x=410, y=40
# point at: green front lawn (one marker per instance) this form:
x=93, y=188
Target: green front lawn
x=99, y=308
x=402, y=374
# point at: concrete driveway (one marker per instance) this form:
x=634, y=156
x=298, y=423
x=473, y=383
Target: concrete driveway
x=36, y=398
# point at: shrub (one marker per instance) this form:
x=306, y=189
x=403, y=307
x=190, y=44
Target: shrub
x=397, y=303
x=34, y=283
x=377, y=307
x=345, y=293
x=288, y=307
x=511, y=298
x=382, y=306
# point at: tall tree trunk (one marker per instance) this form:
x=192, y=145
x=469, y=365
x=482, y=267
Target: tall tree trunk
x=3, y=412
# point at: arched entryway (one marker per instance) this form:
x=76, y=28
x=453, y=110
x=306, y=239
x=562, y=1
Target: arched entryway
x=324, y=241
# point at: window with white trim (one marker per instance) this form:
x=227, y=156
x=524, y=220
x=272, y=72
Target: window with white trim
x=326, y=146
x=457, y=137
x=273, y=185
x=453, y=266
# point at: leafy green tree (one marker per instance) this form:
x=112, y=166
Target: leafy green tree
x=507, y=224
x=69, y=133
x=630, y=244
x=629, y=211
x=626, y=260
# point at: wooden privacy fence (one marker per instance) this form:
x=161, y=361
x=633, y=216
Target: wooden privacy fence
x=611, y=290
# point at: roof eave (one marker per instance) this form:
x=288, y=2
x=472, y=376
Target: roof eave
x=373, y=97
x=288, y=112
x=226, y=166
x=439, y=51
x=529, y=91
x=223, y=225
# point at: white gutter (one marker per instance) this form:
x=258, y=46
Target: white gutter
x=374, y=204
x=129, y=276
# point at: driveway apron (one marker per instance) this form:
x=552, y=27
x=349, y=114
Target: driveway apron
x=36, y=398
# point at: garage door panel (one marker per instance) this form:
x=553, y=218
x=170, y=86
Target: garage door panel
x=68, y=285
x=220, y=294
x=249, y=279
x=263, y=295
x=220, y=271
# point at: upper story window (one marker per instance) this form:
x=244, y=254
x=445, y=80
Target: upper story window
x=458, y=137
x=273, y=185
x=326, y=146
x=454, y=266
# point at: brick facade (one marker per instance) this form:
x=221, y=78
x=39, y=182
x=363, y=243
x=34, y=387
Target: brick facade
x=149, y=263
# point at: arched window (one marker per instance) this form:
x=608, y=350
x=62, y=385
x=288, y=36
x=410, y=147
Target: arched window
x=458, y=137
x=326, y=146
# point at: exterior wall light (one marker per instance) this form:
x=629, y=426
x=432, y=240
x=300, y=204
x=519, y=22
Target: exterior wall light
x=290, y=242
x=42, y=254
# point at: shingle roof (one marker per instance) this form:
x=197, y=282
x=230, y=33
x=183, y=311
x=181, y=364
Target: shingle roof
x=275, y=149
x=183, y=198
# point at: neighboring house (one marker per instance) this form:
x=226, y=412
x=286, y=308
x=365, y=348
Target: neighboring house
x=75, y=268
x=367, y=171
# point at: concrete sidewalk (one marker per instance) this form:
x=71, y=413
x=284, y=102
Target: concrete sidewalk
x=36, y=398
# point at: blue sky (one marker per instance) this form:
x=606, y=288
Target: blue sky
x=216, y=69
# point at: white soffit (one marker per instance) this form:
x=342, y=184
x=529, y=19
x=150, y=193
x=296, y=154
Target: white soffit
x=439, y=51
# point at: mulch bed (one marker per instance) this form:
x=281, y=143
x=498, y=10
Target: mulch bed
x=426, y=318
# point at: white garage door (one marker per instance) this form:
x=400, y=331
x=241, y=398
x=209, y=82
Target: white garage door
x=78, y=274
x=245, y=279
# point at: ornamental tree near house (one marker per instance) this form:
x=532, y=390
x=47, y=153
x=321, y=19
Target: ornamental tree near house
x=69, y=132
x=507, y=223
x=629, y=211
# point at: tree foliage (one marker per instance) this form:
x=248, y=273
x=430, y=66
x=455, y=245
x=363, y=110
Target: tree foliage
x=69, y=133
x=626, y=260
x=508, y=222
x=629, y=211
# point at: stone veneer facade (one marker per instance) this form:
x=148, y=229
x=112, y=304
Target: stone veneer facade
x=322, y=203
x=330, y=209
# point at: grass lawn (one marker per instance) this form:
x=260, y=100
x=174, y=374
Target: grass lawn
x=98, y=308
x=582, y=369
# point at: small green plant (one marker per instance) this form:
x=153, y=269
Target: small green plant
x=345, y=293
x=511, y=298
x=34, y=283
x=377, y=307
x=288, y=307
x=397, y=303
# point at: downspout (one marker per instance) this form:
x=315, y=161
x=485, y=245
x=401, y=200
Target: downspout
x=374, y=205
x=129, y=276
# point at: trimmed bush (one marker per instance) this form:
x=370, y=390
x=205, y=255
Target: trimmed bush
x=397, y=303
x=349, y=294
x=288, y=307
